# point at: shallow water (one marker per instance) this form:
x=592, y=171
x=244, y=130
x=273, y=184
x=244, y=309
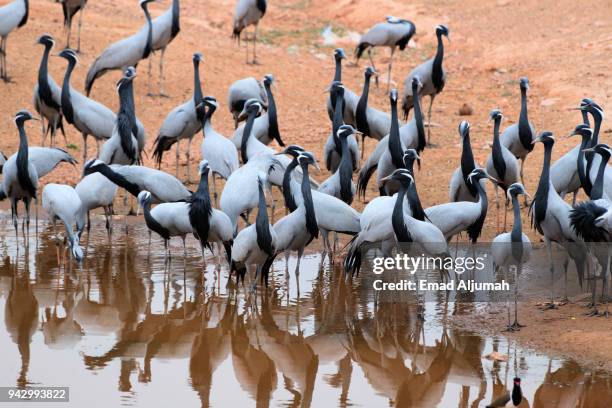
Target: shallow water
x=125, y=330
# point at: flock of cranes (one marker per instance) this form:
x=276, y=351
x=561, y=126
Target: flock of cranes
x=250, y=167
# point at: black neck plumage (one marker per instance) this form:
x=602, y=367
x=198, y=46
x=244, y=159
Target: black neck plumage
x=468, y=164
x=246, y=134
x=524, y=129
x=176, y=23
x=413, y=195
x=24, y=19
x=540, y=201
x=585, y=181
x=397, y=218
x=597, y=192
x=197, y=90
x=437, y=75
x=361, y=118
x=262, y=225
x=516, y=235
x=338, y=119
x=44, y=90
x=418, y=120
x=475, y=229
x=125, y=123
x=116, y=178
x=273, y=131
x=311, y=219
x=200, y=209
x=594, y=141
x=67, y=109
x=22, y=162
x=287, y=195
x=338, y=73
x=395, y=143
x=498, y=157
x=152, y=222
x=345, y=170
x=149, y=44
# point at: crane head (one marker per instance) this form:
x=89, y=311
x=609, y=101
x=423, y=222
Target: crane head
x=524, y=83
x=478, y=174
x=495, y=115
x=516, y=189
x=401, y=175
x=292, y=150
x=411, y=155
x=464, y=128
x=268, y=79
x=442, y=30
x=306, y=159
x=416, y=84
x=601, y=149
x=24, y=115
x=252, y=106
x=545, y=137
x=370, y=71
x=144, y=198
x=393, y=95
x=204, y=168
x=144, y=3
x=582, y=130
x=345, y=131
x=46, y=40
x=339, y=54
x=69, y=54
x=197, y=57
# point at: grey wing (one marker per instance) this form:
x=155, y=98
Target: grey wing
x=45, y=159
x=455, y=185
x=378, y=35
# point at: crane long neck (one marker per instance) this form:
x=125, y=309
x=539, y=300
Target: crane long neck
x=361, y=118
x=475, y=229
x=262, y=224
x=338, y=73
x=287, y=194
x=311, y=219
x=44, y=90
x=273, y=131
x=418, y=120
x=544, y=184
x=412, y=196
x=116, y=178
x=345, y=170
x=498, y=157
x=151, y=222
x=585, y=118
x=397, y=218
x=524, y=129
x=338, y=118
x=126, y=121
x=517, y=229
x=149, y=42
x=585, y=181
x=22, y=161
x=208, y=119
x=246, y=134
x=395, y=143
x=467, y=163
x=197, y=89
x=200, y=209
x=67, y=108
x=598, y=187
x=24, y=19
x=436, y=74
x=176, y=12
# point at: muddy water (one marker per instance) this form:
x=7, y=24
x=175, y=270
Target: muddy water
x=125, y=329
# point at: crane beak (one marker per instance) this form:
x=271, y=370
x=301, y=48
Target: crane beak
x=571, y=135
x=385, y=179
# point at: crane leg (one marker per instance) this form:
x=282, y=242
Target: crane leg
x=246, y=45
x=551, y=304
x=497, y=205
x=177, y=158
x=184, y=248
x=80, y=24
x=509, y=325
x=189, y=159
x=523, y=180
x=505, y=213
x=372, y=64
x=5, y=76
x=149, y=90
x=161, y=74
x=15, y=216
x=255, y=46
x=297, y=267
x=516, y=325
x=84, y=147
x=214, y=186
x=429, y=120
x=389, y=73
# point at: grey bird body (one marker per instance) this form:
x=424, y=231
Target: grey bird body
x=124, y=53
x=219, y=151
x=12, y=16
x=166, y=27
x=350, y=98
x=62, y=202
x=241, y=91
x=96, y=191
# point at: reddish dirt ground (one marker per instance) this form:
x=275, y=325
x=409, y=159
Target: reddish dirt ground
x=562, y=46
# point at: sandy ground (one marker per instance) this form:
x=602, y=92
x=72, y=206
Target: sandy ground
x=562, y=46
x=564, y=331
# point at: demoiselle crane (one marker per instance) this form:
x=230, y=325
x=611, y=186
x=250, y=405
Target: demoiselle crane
x=369, y=121
x=216, y=149
x=86, y=115
x=455, y=217
x=518, y=137
x=550, y=216
x=61, y=202
x=432, y=76
x=340, y=183
x=123, y=146
x=393, y=33
x=241, y=91
x=47, y=98
x=265, y=128
x=134, y=179
x=12, y=16
x=248, y=13
x=568, y=173
x=350, y=98
x=510, y=250
x=183, y=122
x=589, y=106
x=460, y=188
x=209, y=224
x=332, y=151
x=69, y=10
x=411, y=136
x=501, y=165
x=97, y=191
x=124, y=53
x=257, y=242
